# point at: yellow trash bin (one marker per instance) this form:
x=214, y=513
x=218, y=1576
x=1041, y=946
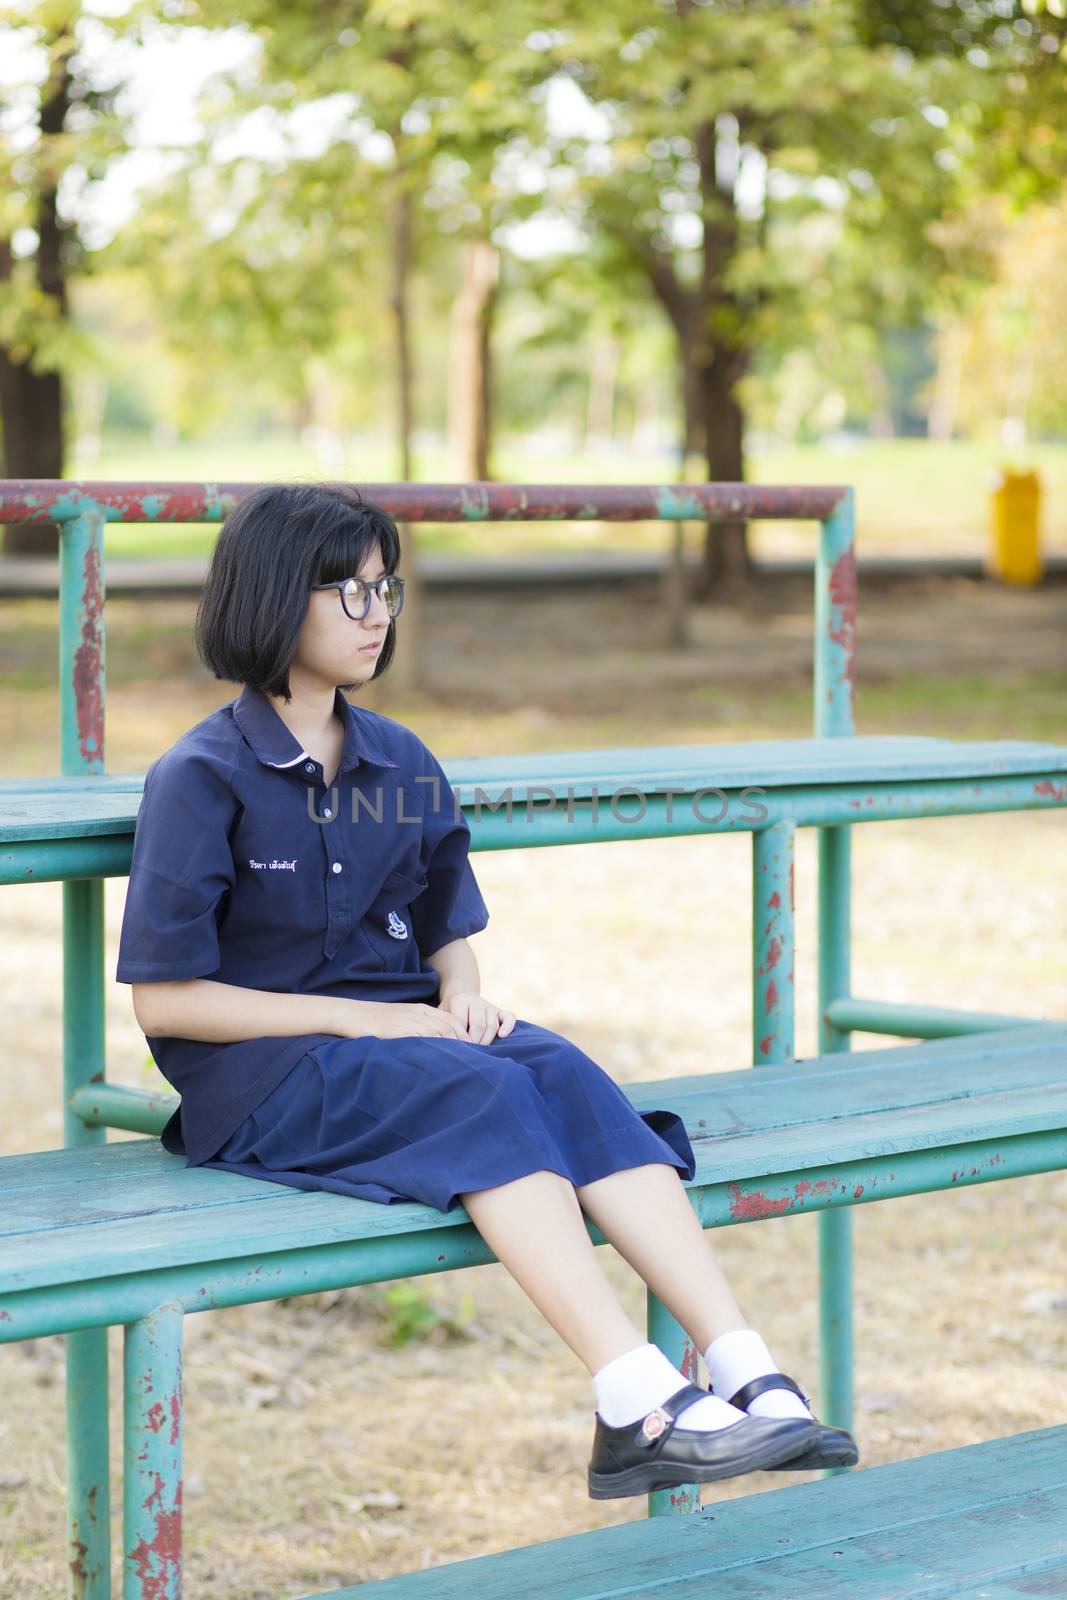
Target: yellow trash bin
x=1015, y=502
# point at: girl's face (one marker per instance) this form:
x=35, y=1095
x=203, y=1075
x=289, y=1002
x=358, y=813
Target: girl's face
x=331, y=648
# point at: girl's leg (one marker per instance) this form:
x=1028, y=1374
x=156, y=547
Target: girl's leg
x=534, y=1225
x=646, y=1214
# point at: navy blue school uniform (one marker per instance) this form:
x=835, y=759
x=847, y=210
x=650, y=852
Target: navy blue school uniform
x=247, y=870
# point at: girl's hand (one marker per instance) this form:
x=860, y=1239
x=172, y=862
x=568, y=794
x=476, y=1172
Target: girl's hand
x=397, y=1019
x=482, y=1019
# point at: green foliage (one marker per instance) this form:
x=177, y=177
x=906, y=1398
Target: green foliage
x=881, y=129
x=410, y=1312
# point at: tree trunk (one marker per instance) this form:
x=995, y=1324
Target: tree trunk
x=719, y=357
x=727, y=560
x=693, y=415
x=402, y=327
x=469, y=374
x=31, y=403
x=406, y=671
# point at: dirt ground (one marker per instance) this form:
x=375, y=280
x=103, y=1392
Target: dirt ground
x=299, y=1415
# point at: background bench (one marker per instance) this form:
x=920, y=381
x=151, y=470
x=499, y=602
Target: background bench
x=943, y=1525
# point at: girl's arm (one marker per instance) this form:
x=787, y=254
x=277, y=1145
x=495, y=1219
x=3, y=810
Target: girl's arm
x=223, y=1013
x=457, y=968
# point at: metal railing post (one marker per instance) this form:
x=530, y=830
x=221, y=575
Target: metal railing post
x=666, y=1331
x=81, y=682
x=152, y=1443
x=835, y=648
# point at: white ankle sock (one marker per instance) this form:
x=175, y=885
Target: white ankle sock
x=736, y=1358
x=634, y=1383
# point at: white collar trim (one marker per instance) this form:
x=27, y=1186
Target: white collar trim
x=303, y=756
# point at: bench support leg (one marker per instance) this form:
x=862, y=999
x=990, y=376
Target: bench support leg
x=835, y=717
x=835, y=1227
x=773, y=945
x=88, y=1489
x=152, y=1482
x=666, y=1331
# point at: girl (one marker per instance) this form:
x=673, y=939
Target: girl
x=296, y=934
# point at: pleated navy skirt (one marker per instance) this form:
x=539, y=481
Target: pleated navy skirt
x=429, y=1119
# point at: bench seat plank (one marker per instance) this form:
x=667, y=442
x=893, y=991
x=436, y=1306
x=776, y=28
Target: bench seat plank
x=952, y=1523
x=70, y=1216
x=68, y=808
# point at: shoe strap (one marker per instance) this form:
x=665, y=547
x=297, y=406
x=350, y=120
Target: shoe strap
x=659, y=1423
x=771, y=1380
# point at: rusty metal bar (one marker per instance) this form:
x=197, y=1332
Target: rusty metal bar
x=773, y=945
x=58, y=500
x=152, y=1482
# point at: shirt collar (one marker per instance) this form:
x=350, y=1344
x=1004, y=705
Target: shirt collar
x=277, y=746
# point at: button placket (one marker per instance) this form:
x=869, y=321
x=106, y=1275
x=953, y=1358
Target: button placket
x=338, y=906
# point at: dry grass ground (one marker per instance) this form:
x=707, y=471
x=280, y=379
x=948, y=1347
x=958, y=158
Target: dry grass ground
x=299, y=1416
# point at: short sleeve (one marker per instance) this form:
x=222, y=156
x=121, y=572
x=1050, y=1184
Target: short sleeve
x=451, y=905
x=181, y=872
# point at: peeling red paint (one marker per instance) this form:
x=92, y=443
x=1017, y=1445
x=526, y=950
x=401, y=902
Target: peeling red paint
x=755, y=1206
x=843, y=603
x=175, y=1418
x=775, y=901
x=774, y=951
x=154, y=1417
x=1057, y=792
x=765, y=1044
x=770, y=998
x=77, y=1563
x=158, y=1561
x=857, y=1191
x=88, y=661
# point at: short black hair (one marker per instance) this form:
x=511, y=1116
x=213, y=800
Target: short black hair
x=276, y=542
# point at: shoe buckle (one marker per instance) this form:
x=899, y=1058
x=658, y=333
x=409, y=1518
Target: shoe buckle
x=653, y=1426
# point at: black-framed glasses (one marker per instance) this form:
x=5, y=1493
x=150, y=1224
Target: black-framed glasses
x=356, y=592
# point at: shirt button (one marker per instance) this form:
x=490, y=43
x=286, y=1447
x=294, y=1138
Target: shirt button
x=310, y=767
x=337, y=866
x=326, y=811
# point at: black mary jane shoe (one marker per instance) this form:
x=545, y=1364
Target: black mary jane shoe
x=831, y=1447
x=653, y=1454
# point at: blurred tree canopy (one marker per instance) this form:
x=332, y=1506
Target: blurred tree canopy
x=776, y=188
